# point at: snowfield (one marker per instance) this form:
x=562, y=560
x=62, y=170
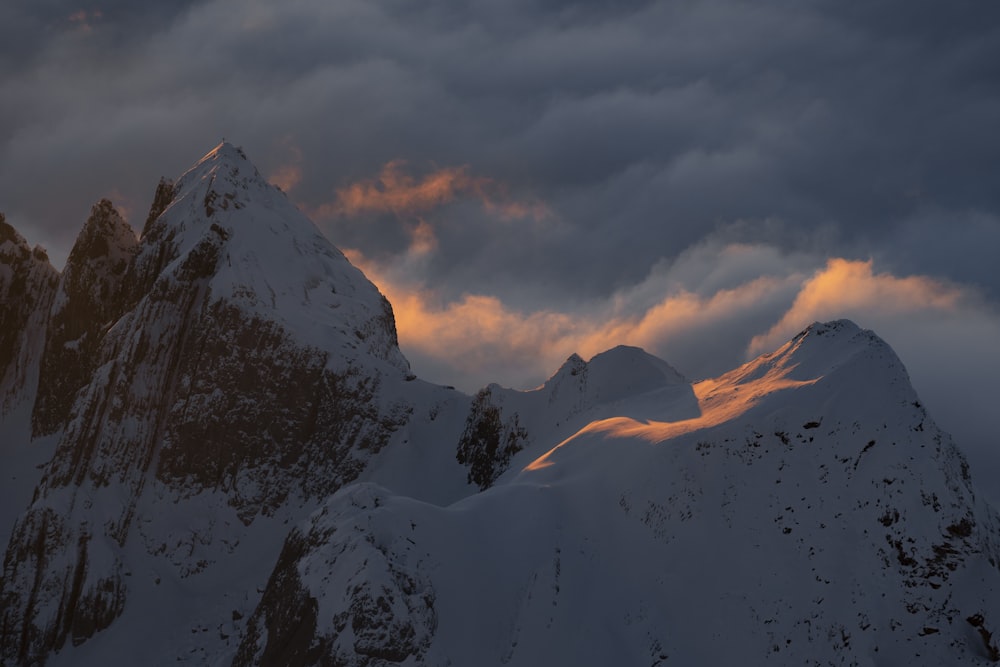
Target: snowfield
x=239, y=469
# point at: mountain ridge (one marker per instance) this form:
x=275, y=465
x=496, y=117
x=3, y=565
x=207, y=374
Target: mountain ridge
x=198, y=385
x=249, y=473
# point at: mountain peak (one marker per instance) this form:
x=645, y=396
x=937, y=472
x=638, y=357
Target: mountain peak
x=223, y=222
x=8, y=234
x=226, y=155
x=13, y=245
x=27, y=285
x=226, y=150
x=105, y=234
x=225, y=179
x=823, y=347
x=91, y=296
x=841, y=327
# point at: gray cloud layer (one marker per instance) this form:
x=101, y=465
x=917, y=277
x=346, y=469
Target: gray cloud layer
x=646, y=133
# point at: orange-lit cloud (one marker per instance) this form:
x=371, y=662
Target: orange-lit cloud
x=289, y=174
x=678, y=312
x=845, y=288
x=395, y=191
x=286, y=177
x=480, y=336
x=945, y=334
x=422, y=239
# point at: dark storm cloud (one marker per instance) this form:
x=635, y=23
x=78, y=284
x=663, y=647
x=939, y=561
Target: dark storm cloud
x=643, y=129
x=696, y=162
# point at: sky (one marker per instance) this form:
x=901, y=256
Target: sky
x=525, y=180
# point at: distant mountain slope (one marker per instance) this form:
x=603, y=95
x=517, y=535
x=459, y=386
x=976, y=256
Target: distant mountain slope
x=241, y=469
x=808, y=512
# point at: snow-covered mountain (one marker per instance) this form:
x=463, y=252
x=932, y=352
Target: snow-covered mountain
x=237, y=467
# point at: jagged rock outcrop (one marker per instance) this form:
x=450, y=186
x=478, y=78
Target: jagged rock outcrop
x=27, y=287
x=233, y=360
x=488, y=442
x=88, y=302
x=386, y=615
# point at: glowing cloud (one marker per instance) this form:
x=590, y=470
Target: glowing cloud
x=698, y=323
x=286, y=176
x=395, y=191
x=850, y=289
x=699, y=320
x=422, y=239
x=479, y=336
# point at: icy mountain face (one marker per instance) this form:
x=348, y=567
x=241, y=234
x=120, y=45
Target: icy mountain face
x=27, y=287
x=233, y=366
x=806, y=511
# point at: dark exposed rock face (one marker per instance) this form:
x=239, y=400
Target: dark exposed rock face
x=89, y=300
x=283, y=630
x=489, y=442
x=385, y=617
x=172, y=374
x=67, y=600
x=286, y=424
x=162, y=197
x=27, y=286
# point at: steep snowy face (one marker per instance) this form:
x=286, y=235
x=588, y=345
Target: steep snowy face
x=238, y=368
x=225, y=223
x=88, y=302
x=801, y=509
x=27, y=287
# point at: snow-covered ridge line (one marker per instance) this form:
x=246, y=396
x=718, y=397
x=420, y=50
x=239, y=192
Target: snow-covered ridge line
x=242, y=455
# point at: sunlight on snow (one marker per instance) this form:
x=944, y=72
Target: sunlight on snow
x=719, y=400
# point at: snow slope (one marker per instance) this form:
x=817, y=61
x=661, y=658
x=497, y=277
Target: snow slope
x=809, y=513
x=241, y=469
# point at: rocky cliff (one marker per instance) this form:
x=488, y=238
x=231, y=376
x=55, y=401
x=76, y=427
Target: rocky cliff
x=27, y=286
x=231, y=360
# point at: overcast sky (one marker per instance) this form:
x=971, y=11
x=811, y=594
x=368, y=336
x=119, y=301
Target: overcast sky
x=529, y=179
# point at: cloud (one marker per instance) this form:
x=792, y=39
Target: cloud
x=288, y=174
x=397, y=192
x=946, y=335
x=850, y=289
x=707, y=317
x=672, y=174
x=644, y=129
x=695, y=320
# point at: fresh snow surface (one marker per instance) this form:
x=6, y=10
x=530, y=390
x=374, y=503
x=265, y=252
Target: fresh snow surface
x=753, y=518
x=800, y=509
